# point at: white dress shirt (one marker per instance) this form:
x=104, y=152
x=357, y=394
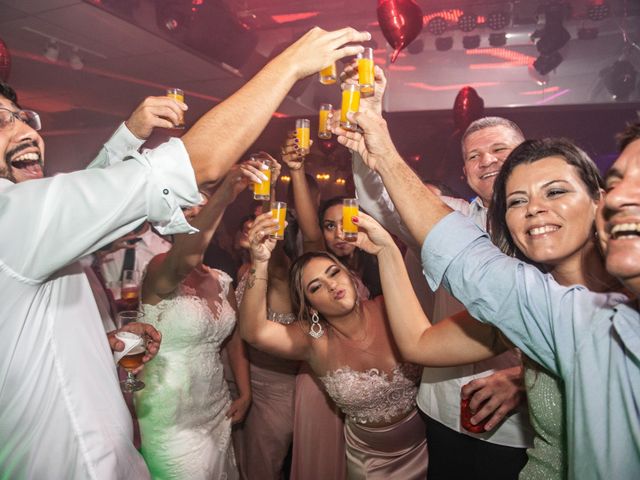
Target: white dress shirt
x=439, y=393
x=62, y=414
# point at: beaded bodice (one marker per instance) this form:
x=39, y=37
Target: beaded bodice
x=373, y=396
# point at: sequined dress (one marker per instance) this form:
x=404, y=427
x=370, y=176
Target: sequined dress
x=181, y=411
x=547, y=458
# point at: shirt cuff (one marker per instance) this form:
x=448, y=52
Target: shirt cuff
x=124, y=139
x=447, y=239
x=172, y=186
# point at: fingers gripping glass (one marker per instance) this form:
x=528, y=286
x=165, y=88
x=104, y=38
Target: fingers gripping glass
x=7, y=117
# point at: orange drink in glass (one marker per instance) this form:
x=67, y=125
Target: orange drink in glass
x=323, y=121
x=349, y=210
x=279, y=212
x=178, y=95
x=350, y=103
x=262, y=190
x=328, y=75
x=302, y=134
x=365, y=72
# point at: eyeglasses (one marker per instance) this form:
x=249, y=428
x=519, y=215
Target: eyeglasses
x=31, y=118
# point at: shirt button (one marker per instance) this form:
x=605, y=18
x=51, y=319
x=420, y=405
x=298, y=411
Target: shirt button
x=165, y=191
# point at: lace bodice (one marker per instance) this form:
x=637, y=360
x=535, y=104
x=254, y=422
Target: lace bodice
x=373, y=396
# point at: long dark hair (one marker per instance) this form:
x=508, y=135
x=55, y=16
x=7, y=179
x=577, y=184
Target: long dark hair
x=362, y=263
x=531, y=151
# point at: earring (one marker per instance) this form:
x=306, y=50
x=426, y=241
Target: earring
x=316, y=330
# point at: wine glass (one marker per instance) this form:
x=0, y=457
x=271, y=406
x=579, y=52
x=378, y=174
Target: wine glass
x=133, y=358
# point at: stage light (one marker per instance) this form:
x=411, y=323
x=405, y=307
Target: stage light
x=75, y=61
x=620, y=79
x=437, y=26
x=467, y=22
x=598, y=10
x=444, y=43
x=498, y=39
x=546, y=63
x=497, y=20
x=553, y=36
x=470, y=42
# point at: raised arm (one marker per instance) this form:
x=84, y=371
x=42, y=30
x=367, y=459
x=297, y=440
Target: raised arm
x=420, y=209
x=232, y=126
x=306, y=208
x=456, y=340
x=165, y=272
x=153, y=112
x=239, y=362
x=287, y=341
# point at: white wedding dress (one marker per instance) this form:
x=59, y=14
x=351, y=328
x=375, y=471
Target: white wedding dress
x=181, y=411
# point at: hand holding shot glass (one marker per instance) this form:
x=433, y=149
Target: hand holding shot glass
x=279, y=213
x=303, y=134
x=366, y=76
x=349, y=210
x=323, y=121
x=178, y=95
x=262, y=190
x=350, y=103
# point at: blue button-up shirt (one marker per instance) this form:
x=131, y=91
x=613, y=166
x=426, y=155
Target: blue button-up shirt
x=590, y=340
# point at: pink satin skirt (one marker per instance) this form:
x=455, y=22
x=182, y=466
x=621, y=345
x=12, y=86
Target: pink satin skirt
x=394, y=451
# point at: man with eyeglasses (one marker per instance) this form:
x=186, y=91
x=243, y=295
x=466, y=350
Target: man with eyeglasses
x=62, y=413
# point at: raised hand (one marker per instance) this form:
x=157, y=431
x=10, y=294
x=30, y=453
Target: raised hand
x=374, y=145
x=291, y=155
x=163, y=112
x=372, y=237
x=374, y=103
x=260, y=244
x=318, y=48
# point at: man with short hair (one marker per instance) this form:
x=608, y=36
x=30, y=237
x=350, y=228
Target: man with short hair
x=63, y=415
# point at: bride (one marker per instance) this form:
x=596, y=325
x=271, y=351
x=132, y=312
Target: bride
x=185, y=411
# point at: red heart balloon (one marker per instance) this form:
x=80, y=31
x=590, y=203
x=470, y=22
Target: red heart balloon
x=5, y=62
x=400, y=21
x=468, y=106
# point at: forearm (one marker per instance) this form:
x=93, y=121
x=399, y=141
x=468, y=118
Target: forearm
x=305, y=208
x=406, y=317
x=232, y=126
x=419, y=208
x=239, y=362
x=253, y=309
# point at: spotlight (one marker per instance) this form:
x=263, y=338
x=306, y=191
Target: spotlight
x=470, y=42
x=620, y=79
x=416, y=47
x=498, y=39
x=172, y=17
x=52, y=51
x=467, y=22
x=553, y=36
x=75, y=61
x=546, y=63
x=444, y=43
x=585, y=33
x=497, y=20
x=437, y=26
x=598, y=10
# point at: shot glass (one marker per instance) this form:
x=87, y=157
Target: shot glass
x=365, y=72
x=350, y=103
x=279, y=212
x=303, y=134
x=328, y=75
x=178, y=95
x=349, y=210
x=323, y=121
x=262, y=190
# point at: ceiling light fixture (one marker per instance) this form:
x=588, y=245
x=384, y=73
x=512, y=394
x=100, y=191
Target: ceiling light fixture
x=468, y=22
x=598, y=10
x=437, y=26
x=75, y=61
x=620, y=79
x=469, y=42
x=444, y=43
x=546, y=63
x=497, y=20
x=498, y=39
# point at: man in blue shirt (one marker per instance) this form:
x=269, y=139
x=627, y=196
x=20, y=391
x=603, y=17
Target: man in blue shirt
x=590, y=340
